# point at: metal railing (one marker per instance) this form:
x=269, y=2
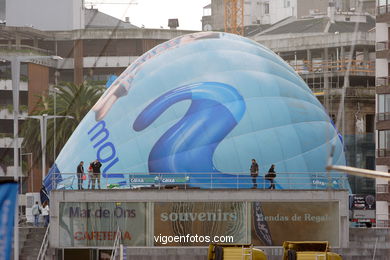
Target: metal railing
x=326, y=66
x=23, y=49
x=45, y=245
x=116, y=244
x=382, y=81
x=383, y=9
x=382, y=220
x=383, y=116
x=382, y=46
x=382, y=188
x=321, y=181
x=382, y=152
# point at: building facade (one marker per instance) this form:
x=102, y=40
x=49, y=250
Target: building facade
x=261, y=12
x=383, y=109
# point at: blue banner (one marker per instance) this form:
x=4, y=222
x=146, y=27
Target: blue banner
x=8, y=193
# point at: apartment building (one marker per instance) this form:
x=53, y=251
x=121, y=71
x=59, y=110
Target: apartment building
x=383, y=109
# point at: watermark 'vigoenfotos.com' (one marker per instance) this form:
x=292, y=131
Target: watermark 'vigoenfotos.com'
x=193, y=239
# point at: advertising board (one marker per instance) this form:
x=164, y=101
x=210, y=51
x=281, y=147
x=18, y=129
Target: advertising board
x=96, y=224
x=275, y=222
x=198, y=223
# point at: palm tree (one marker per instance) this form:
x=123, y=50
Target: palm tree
x=71, y=100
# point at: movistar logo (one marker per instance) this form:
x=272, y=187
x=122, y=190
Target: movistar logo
x=105, y=150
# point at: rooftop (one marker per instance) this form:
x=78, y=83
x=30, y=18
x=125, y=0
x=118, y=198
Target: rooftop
x=319, y=25
x=96, y=19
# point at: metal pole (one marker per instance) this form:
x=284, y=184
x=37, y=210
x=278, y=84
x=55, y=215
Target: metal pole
x=21, y=170
x=55, y=130
x=43, y=122
x=15, y=71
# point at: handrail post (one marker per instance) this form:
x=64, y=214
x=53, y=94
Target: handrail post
x=185, y=182
x=45, y=242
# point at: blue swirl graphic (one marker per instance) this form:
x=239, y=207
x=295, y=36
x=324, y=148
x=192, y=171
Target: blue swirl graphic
x=189, y=145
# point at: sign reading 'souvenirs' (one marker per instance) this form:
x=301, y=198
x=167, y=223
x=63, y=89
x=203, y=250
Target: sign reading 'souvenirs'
x=86, y=224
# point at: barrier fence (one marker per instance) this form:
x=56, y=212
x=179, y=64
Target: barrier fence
x=323, y=180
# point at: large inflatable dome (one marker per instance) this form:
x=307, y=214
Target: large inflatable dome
x=206, y=104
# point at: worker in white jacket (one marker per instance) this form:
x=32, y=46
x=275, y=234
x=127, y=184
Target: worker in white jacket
x=46, y=213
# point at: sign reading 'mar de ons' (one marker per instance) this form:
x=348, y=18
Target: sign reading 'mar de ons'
x=86, y=224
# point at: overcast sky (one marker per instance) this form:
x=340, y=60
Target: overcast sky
x=155, y=13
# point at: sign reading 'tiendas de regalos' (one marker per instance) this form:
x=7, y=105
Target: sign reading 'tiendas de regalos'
x=96, y=223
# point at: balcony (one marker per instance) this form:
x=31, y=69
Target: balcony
x=6, y=111
x=382, y=116
x=211, y=180
x=382, y=46
x=383, y=12
x=383, y=220
x=382, y=50
x=382, y=81
x=6, y=84
x=383, y=153
x=23, y=49
x=382, y=188
x=99, y=62
x=7, y=142
x=357, y=67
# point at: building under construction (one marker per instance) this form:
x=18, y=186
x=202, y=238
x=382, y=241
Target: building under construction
x=329, y=52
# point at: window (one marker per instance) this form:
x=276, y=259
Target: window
x=383, y=143
x=383, y=107
x=207, y=11
x=370, y=122
x=286, y=3
x=266, y=8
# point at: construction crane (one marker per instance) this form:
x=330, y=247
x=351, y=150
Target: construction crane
x=234, y=16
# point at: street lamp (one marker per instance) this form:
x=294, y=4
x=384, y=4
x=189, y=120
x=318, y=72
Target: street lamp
x=43, y=125
x=55, y=90
x=15, y=75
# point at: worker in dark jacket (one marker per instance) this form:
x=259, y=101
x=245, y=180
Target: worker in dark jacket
x=271, y=176
x=254, y=173
x=96, y=172
x=80, y=174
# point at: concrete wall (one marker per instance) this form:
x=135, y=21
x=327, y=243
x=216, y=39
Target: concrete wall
x=217, y=14
x=305, y=6
x=381, y=32
x=381, y=66
x=294, y=42
x=47, y=15
x=278, y=11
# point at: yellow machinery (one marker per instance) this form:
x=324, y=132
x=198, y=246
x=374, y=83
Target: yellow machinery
x=235, y=252
x=308, y=250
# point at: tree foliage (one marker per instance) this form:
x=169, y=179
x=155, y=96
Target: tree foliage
x=71, y=100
